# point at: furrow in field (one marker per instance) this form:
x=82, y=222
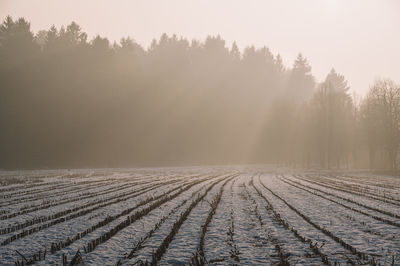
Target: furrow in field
x=163, y=247
x=356, y=197
x=110, y=242
x=368, y=235
x=65, y=234
x=78, y=210
x=324, y=183
x=71, y=197
x=353, y=205
x=107, y=227
x=299, y=250
x=334, y=247
x=70, y=214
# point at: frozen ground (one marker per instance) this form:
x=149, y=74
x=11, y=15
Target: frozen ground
x=198, y=215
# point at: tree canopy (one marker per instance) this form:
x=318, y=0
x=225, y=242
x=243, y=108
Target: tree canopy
x=67, y=101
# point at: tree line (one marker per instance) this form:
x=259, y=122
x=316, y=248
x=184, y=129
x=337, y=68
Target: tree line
x=67, y=101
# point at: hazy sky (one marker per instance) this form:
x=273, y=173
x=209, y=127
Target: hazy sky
x=359, y=38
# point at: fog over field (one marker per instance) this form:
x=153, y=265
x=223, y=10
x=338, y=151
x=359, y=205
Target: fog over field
x=199, y=133
x=72, y=98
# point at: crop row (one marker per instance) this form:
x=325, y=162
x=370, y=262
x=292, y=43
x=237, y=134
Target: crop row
x=199, y=257
x=287, y=226
x=27, y=186
x=365, y=181
x=233, y=248
x=27, y=181
x=363, y=256
x=350, y=190
x=62, y=219
x=283, y=257
x=51, y=193
x=139, y=214
x=71, y=198
x=27, y=194
x=54, y=247
x=362, y=185
x=345, y=199
x=139, y=245
x=72, y=187
x=58, y=217
x=345, y=206
x=178, y=223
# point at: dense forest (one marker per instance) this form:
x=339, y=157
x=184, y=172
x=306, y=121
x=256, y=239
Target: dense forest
x=66, y=101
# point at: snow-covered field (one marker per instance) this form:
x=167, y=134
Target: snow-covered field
x=198, y=215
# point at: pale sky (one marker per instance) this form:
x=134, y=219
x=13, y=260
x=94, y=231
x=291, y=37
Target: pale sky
x=359, y=38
